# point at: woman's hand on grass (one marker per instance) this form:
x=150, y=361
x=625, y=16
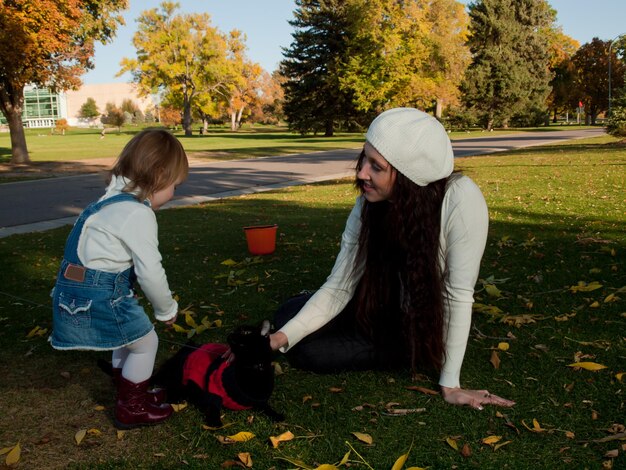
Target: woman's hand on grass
x=473, y=398
x=278, y=340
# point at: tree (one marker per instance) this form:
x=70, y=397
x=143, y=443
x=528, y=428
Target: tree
x=243, y=79
x=592, y=78
x=114, y=116
x=563, y=95
x=312, y=67
x=175, y=54
x=509, y=73
x=89, y=109
x=49, y=44
x=617, y=121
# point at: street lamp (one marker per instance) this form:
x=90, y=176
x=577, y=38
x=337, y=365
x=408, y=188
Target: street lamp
x=611, y=47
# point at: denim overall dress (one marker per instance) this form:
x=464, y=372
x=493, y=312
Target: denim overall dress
x=93, y=309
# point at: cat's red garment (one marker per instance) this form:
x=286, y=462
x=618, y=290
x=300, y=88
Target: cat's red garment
x=198, y=364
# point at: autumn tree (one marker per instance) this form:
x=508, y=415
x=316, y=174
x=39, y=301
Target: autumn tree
x=49, y=44
x=509, y=74
x=175, y=53
x=592, y=75
x=89, y=109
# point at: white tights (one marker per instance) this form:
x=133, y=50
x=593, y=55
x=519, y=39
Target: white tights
x=137, y=359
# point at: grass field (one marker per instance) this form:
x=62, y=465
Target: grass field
x=551, y=293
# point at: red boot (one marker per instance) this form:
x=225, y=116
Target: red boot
x=135, y=408
x=157, y=395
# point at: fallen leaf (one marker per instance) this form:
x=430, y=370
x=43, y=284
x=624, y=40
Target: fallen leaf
x=120, y=434
x=229, y=262
x=491, y=440
x=502, y=444
x=611, y=298
x=245, y=458
x=570, y=434
x=493, y=291
x=335, y=389
x=99, y=408
x=14, y=455
x=306, y=398
x=80, y=435
x=242, y=436
x=345, y=458
x=94, y=432
x=593, y=366
x=326, y=466
x=363, y=437
x=619, y=376
x=595, y=304
x=232, y=463
x=286, y=436
x=503, y=346
x=611, y=454
x=536, y=426
x=452, y=443
x=178, y=406
x=400, y=461
x=466, y=451
x=495, y=360
x=582, y=286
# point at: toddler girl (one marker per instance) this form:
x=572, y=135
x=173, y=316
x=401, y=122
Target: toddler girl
x=113, y=244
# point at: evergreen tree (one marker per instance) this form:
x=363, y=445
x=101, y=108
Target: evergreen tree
x=314, y=100
x=509, y=74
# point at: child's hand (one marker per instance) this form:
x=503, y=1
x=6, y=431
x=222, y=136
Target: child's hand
x=171, y=321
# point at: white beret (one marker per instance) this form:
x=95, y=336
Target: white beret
x=414, y=143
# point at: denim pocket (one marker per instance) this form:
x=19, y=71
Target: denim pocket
x=75, y=310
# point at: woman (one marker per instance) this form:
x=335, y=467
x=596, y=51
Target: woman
x=401, y=290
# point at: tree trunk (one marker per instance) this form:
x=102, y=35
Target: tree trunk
x=439, y=108
x=330, y=128
x=233, y=121
x=239, y=113
x=12, y=105
x=187, y=117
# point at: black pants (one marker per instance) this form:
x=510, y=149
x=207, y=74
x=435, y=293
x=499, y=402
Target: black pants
x=337, y=346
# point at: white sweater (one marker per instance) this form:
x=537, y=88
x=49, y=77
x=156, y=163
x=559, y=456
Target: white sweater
x=464, y=224
x=124, y=234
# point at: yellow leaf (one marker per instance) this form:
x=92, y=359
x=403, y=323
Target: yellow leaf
x=503, y=346
x=326, y=466
x=400, y=462
x=345, y=458
x=178, y=406
x=582, y=286
x=502, y=444
x=611, y=298
x=178, y=328
x=587, y=365
x=245, y=458
x=570, y=434
x=493, y=291
x=536, y=426
x=120, y=434
x=14, y=455
x=190, y=321
x=286, y=436
x=99, y=408
x=594, y=304
x=80, y=435
x=37, y=331
x=417, y=468
x=491, y=440
x=452, y=443
x=490, y=309
x=619, y=376
x=6, y=450
x=94, y=432
x=242, y=436
x=229, y=262
x=363, y=437
x=495, y=360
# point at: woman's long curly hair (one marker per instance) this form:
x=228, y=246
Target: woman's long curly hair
x=399, y=301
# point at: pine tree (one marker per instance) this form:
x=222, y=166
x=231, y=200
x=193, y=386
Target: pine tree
x=314, y=101
x=509, y=74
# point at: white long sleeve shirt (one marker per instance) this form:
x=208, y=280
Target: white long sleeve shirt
x=124, y=234
x=464, y=224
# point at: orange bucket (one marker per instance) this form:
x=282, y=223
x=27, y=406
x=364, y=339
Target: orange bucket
x=261, y=239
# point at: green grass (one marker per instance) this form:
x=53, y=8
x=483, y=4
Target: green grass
x=556, y=218
x=219, y=144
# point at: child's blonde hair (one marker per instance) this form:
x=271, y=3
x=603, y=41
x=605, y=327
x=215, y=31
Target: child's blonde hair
x=152, y=160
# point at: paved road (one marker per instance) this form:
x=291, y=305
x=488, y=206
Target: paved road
x=42, y=204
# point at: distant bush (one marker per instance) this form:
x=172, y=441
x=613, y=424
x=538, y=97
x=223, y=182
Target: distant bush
x=617, y=121
x=61, y=126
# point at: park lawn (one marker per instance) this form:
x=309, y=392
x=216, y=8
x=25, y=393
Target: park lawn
x=218, y=144
x=551, y=293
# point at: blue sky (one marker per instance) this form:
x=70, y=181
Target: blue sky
x=265, y=23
